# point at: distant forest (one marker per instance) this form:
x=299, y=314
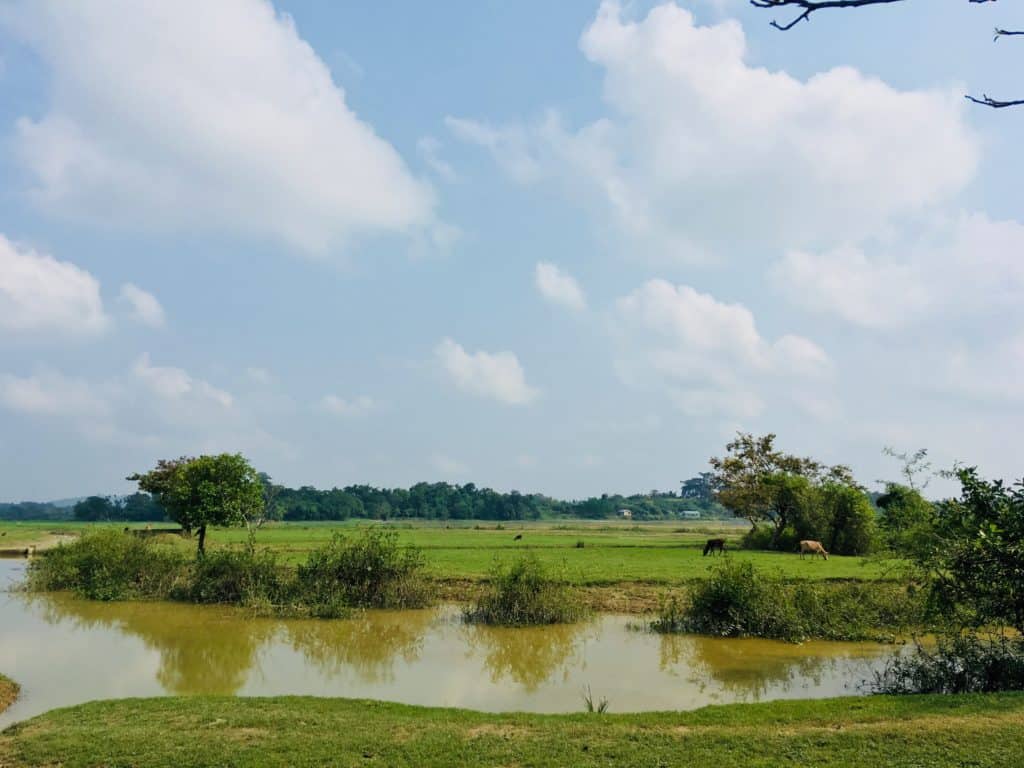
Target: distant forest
x=434, y=501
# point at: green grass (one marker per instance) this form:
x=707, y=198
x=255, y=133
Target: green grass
x=613, y=553
x=8, y=692
x=904, y=732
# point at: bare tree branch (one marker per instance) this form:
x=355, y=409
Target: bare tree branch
x=807, y=7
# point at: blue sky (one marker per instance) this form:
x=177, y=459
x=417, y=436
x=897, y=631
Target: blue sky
x=559, y=247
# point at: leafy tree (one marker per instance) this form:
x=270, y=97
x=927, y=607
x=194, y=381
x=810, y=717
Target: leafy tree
x=96, y=508
x=207, y=490
x=749, y=479
x=850, y=519
x=976, y=562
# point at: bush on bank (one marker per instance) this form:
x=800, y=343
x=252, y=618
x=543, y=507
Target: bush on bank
x=738, y=601
x=524, y=593
x=370, y=570
x=965, y=663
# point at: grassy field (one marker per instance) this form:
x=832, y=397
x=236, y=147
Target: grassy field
x=8, y=693
x=611, y=553
x=933, y=731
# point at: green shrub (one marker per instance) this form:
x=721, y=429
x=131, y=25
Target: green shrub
x=239, y=576
x=737, y=601
x=110, y=565
x=966, y=663
x=371, y=571
x=758, y=537
x=524, y=593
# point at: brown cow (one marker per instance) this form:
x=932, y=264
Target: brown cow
x=814, y=547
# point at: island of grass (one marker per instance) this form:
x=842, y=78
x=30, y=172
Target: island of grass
x=8, y=692
x=937, y=731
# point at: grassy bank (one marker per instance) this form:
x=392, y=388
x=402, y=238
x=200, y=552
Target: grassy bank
x=932, y=731
x=8, y=692
x=612, y=553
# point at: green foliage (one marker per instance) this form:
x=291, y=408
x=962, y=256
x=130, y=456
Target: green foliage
x=523, y=593
x=207, y=490
x=847, y=520
x=139, y=507
x=109, y=565
x=241, y=577
x=907, y=520
x=368, y=571
x=964, y=663
x=975, y=562
x=592, y=705
x=738, y=601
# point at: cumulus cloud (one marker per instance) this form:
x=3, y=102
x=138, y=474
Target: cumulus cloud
x=339, y=406
x=701, y=150
x=559, y=287
x=50, y=393
x=493, y=375
x=144, y=305
x=964, y=264
x=176, y=384
x=706, y=354
x=216, y=116
x=39, y=294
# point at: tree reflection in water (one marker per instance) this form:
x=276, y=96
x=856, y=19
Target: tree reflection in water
x=751, y=669
x=369, y=644
x=202, y=649
x=529, y=656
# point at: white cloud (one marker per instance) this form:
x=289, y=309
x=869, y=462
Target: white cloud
x=960, y=265
x=510, y=146
x=339, y=406
x=215, y=116
x=144, y=305
x=701, y=150
x=259, y=375
x=49, y=393
x=707, y=355
x=497, y=376
x=39, y=294
x=175, y=384
x=559, y=287
x=430, y=149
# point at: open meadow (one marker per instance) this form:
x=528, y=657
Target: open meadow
x=593, y=553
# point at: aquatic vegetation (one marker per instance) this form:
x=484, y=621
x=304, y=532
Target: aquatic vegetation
x=525, y=592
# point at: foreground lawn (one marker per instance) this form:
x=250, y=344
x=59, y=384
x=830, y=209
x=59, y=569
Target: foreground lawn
x=931, y=731
x=611, y=553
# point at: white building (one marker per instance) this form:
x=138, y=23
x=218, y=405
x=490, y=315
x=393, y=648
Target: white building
x=625, y=514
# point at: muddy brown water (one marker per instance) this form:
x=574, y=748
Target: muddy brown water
x=65, y=651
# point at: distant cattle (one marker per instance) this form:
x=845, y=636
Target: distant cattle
x=814, y=547
x=518, y=537
x=714, y=545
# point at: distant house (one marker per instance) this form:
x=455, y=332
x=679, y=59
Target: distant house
x=691, y=514
x=625, y=514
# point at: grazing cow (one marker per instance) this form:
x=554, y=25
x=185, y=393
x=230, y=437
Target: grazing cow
x=715, y=545
x=814, y=547
x=518, y=537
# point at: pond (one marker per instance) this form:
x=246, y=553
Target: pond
x=66, y=651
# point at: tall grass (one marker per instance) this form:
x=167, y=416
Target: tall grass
x=523, y=593
x=366, y=571
x=371, y=571
x=110, y=565
x=738, y=601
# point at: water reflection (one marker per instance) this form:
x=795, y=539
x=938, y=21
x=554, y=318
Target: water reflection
x=529, y=656
x=65, y=651
x=202, y=650
x=752, y=669
x=370, y=644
